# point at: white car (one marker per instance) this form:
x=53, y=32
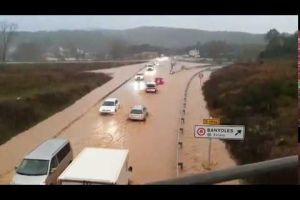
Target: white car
x=150, y=68
x=139, y=77
x=110, y=106
x=138, y=112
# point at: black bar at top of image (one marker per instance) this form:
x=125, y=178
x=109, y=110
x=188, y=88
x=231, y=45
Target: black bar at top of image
x=150, y=8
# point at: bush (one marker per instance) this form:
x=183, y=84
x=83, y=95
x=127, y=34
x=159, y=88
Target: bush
x=44, y=89
x=262, y=97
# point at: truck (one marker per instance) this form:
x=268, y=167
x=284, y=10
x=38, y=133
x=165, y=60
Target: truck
x=98, y=166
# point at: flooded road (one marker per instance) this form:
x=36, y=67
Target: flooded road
x=152, y=144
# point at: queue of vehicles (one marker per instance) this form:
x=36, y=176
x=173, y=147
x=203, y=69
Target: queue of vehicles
x=138, y=112
x=52, y=161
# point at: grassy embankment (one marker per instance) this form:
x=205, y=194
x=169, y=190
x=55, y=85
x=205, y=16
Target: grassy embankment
x=29, y=93
x=263, y=98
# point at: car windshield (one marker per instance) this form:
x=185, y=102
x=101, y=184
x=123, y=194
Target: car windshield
x=108, y=103
x=136, y=111
x=150, y=85
x=150, y=69
x=32, y=167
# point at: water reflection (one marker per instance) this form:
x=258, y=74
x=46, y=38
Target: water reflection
x=139, y=85
x=104, y=129
x=150, y=73
x=111, y=127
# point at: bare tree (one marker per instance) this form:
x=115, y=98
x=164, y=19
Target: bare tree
x=7, y=31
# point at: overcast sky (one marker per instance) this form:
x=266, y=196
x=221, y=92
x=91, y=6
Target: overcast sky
x=250, y=23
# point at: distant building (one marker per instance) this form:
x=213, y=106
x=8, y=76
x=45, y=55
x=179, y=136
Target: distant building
x=194, y=53
x=208, y=59
x=51, y=59
x=70, y=59
x=146, y=55
x=62, y=53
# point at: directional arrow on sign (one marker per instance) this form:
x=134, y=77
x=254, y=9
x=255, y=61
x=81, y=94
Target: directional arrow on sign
x=238, y=132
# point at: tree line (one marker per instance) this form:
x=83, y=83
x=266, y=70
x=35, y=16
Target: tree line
x=280, y=45
x=261, y=96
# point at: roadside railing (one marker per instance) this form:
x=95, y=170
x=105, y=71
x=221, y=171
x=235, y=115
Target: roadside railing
x=238, y=172
x=181, y=127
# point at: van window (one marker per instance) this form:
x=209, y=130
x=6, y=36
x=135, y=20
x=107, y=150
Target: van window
x=54, y=163
x=63, y=152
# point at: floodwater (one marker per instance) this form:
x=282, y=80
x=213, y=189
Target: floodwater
x=195, y=150
x=152, y=144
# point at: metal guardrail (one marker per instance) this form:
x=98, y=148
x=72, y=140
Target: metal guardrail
x=239, y=172
x=182, y=119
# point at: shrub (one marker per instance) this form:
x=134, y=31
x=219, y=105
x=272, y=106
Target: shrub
x=264, y=100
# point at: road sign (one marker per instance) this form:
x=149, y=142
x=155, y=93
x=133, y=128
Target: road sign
x=212, y=121
x=201, y=132
x=226, y=132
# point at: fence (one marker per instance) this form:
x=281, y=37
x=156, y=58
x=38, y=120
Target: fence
x=238, y=172
x=182, y=121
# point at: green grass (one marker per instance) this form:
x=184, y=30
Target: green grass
x=44, y=89
x=263, y=98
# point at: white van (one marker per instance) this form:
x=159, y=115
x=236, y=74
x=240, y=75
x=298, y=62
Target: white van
x=44, y=164
x=98, y=166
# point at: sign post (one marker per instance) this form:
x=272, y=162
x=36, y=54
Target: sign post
x=209, y=152
x=212, y=130
x=210, y=121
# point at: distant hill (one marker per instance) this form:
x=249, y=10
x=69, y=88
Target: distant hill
x=101, y=40
x=179, y=37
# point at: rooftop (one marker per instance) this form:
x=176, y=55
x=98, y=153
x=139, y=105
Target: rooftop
x=45, y=150
x=138, y=107
x=96, y=165
x=110, y=99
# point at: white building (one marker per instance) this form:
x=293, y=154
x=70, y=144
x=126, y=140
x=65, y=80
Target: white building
x=53, y=59
x=194, y=53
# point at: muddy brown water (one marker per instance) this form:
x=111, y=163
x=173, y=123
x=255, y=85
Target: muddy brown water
x=152, y=144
